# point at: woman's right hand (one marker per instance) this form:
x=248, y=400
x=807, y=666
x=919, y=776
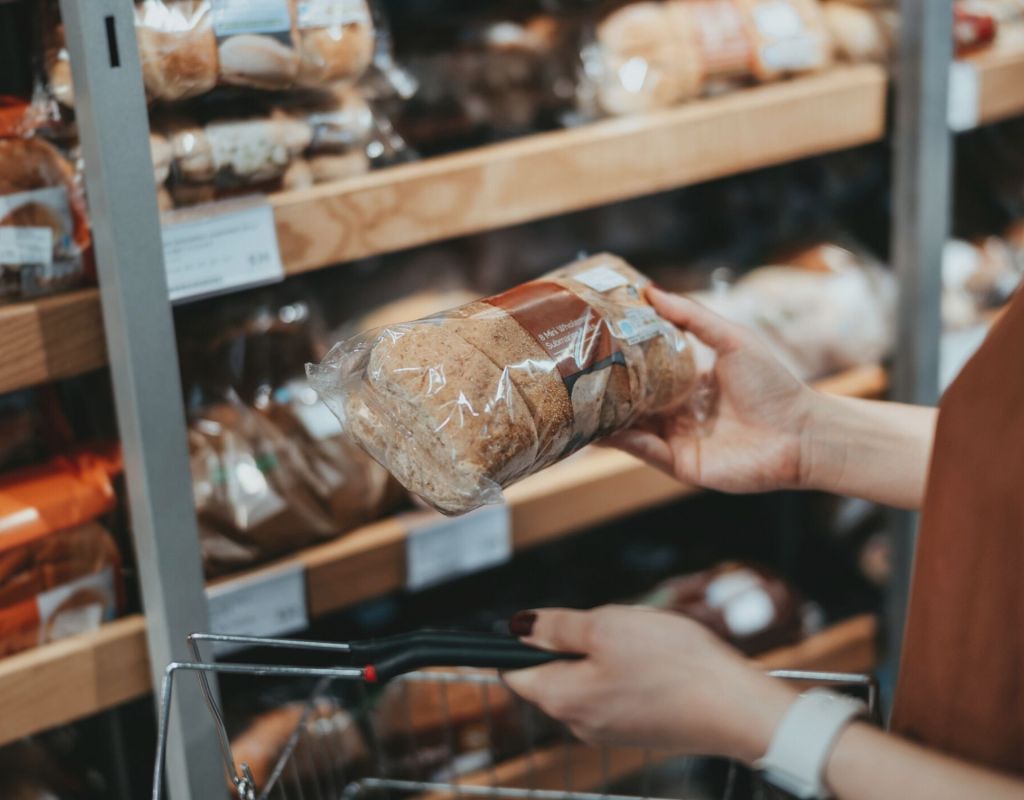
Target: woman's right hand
x=754, y=438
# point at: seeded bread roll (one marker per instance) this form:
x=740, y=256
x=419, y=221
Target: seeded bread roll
x=177, y=48
x=467, y=424
x=498, y=336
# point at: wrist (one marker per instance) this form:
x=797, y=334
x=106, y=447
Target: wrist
x=760, y=713
x=822, y=452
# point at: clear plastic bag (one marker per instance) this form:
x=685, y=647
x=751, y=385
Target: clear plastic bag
x=187, y=47
x=458, y=405
x=44, y=231
x=650, y=55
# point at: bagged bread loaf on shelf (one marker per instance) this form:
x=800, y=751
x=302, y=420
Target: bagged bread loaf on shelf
x=822, y=310
x=60, y=572
x=654, y=54
x=459, y=405
x=44, y=231
x=747, y=605
x=189, y=46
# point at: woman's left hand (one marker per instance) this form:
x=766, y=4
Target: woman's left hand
x=649, y=679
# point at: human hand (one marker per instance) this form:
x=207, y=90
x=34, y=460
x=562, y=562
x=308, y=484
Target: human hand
x=754, y=439
x=649, y=679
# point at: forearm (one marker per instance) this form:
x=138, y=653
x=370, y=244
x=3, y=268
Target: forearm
x=868, y=764
x=865, y=448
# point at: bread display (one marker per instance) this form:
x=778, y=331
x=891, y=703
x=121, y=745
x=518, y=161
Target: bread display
x=749, y=606
x=649, y=55
x=44, y=232
x=459, y=405
x=187, y=47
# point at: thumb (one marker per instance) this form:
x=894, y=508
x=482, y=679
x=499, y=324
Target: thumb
x=714, y=330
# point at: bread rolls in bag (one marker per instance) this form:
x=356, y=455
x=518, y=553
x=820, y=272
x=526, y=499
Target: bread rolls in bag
x=458, y=405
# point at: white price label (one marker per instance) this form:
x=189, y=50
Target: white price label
x=233, y=17
x=440, y=549
x=223, y=248
x=32, y=245
x=602, y=279
x=269, y=603
x=964, y=97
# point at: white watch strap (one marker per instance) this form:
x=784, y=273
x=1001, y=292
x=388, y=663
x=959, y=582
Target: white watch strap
x=799, y=751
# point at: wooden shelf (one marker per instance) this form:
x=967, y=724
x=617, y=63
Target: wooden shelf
x=1000, y=71
x=846, y=647
x=50, y=339
x=73, y=678
x=555, y=173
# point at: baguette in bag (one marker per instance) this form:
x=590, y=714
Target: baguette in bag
x=461, y=404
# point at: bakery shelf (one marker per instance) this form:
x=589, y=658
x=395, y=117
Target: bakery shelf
x=848, y=646
x=85, y=674
x=73, y=678
x=554, y=173
x=1000, y=73
x=50, y=339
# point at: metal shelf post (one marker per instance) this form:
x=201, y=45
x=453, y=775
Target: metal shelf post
x=113, y=128
x=921, y=207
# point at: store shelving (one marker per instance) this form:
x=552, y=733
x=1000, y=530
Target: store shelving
x=76, y=677
x=50, y=339
x=1000, y=76
x=562, y=171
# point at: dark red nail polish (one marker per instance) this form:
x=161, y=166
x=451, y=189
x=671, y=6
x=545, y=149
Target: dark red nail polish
x=521, y=624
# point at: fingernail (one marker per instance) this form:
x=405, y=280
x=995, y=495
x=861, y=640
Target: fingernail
x=521, y=623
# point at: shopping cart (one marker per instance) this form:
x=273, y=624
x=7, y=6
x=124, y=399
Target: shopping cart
x=426, y=717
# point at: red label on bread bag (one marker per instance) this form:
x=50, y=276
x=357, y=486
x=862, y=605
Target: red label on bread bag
x=569, y=330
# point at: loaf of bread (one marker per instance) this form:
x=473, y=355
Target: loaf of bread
x=189, y=46
x=458, y=405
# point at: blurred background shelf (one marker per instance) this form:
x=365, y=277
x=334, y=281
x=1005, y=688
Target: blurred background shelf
x=76, y=677
x=554, y=173
x=1000, y=71
x=50, y=339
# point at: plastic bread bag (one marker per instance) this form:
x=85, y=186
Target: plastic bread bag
x=187, y=47
x=790, y=37
x=44, y=231
x=253, y=489
x=823, y=310
x=640, y=57
x=461, y=404
x=60, y=572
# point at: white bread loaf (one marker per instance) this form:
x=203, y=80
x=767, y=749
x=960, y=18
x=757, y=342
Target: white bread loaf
x=461, y=404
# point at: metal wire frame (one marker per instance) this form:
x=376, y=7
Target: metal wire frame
x=446, y=783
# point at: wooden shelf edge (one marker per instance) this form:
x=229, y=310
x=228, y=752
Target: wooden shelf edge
x=558, y=172
x=50, y=339
x=1000, y=71
x=73, y=678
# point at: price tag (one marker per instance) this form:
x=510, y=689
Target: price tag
x=220, y=248
x=964, y=97
x=31, y=245
x=440, y=549
x=269, y=603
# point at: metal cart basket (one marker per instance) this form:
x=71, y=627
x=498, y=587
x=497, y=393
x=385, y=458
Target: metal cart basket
x=393, y=729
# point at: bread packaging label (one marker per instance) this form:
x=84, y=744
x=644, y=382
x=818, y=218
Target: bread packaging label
x=38, y=208
x=235, y=17
x=787, y=41
x=570, y=331
x=247, y=150
x=331, y=13
x=26, y=245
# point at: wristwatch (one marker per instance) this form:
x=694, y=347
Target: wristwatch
x=800, y=748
